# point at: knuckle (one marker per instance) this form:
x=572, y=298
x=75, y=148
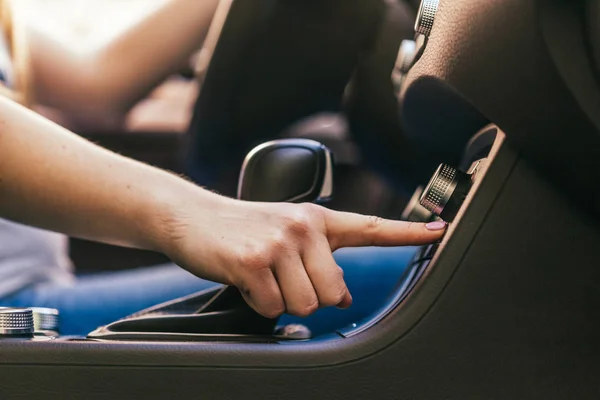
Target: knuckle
x=336, y=292
x=304, y=310
x=274, y=310
x=334, y=297
x=299, y=224
x=271, y=304
x=308, y=216
x=275, y=247
x=308, y=209
x=283, y=243
x=277, y=244
x=254, y=259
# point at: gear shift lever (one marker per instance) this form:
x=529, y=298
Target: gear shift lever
x=288, y=170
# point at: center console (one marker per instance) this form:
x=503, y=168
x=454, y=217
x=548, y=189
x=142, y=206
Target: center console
x=292, y=170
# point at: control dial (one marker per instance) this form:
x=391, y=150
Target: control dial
x=426, y=17
x=404, y=61
x=45, y=320
x=406, y=55
x=16, y=322
x=446, y=192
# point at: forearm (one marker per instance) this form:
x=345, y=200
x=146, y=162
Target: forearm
x=53, y=179
x=123, y=71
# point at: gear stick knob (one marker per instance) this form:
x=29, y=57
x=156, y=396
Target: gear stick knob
x=287, y=170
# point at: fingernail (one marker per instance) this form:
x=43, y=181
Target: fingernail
x=436, y=226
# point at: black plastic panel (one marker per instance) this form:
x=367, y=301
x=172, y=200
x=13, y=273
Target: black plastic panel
x=524, y=65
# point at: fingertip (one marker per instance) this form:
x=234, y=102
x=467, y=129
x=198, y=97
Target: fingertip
x=346, y=302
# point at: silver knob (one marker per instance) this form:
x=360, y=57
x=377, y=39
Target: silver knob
x=426, y=17
x=16, y=322
x=404, y=60
x=293, y=332
x=446, y=192
x=45, y=319
x=406, y=55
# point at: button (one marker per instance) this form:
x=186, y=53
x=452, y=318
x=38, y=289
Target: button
x=45, y=320
x=16, y=322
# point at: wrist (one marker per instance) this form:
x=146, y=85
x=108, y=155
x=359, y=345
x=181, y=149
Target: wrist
x=175, y=207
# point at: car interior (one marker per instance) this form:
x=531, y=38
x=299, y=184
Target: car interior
x=488, y=117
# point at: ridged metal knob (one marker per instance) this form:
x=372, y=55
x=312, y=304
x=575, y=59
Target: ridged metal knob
x=16, y=322
x=406, y=55
x=45, y=319
x=404, y=60
x=426, y=17
x=446, y=192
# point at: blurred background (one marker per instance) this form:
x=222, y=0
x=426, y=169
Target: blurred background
x=86, y=24
x=154, y=130
x=83, y=22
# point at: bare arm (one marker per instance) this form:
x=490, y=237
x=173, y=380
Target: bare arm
x=122, y=72
x=56, y=180
x=279, y=255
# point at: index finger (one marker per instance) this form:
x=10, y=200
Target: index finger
x=355, y=230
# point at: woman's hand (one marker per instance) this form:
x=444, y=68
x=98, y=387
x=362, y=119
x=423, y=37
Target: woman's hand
x=280, y=255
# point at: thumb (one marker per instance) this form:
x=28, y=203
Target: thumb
x=355, y=230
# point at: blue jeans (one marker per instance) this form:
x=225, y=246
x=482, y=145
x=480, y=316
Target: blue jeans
x=96, y=300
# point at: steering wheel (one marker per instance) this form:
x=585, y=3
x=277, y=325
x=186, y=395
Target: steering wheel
x=265, y=65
